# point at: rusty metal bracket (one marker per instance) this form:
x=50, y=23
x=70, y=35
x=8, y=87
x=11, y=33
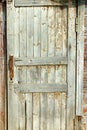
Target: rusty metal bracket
x=11, y=67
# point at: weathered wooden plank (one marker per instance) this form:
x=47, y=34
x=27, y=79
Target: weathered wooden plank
x=29, y=98
x=36, y=111
x=59, y=75
x=58, y=32
x=36, y=32
x=60, y=70
x=37, y=46
x=44, y=32
x=63, y=109
x=64, y=25
x=40, y=61
x=30, y=31
x=38, y=3
x=80, y=57
x=43, y=111
x=50, y=87
x=57, y=111
x=10, y=46
x=44, y=74
x=50, y=111
x=21, y=98
x=22, y=71
x=51, y=32
x=23, y=37
x=29, y=109
x=21, y=111
x=71, y=65
x=51, y=69
x=64, y=72
x=10, y=107
x=50, y=99
x=61, y=78
x=16, y=77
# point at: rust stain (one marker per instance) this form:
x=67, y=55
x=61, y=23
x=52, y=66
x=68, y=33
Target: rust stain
x=11, y=67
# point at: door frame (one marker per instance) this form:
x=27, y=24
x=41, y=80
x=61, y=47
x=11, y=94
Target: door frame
x=80, y=57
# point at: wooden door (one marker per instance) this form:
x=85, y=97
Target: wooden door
x=41, y=44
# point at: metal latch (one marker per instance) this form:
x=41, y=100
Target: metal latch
x=11, y=67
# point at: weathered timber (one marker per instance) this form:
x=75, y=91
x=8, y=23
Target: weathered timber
x=56, y=60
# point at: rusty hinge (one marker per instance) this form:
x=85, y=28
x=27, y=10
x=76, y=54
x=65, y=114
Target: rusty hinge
x=11, y=67
x=76, y=24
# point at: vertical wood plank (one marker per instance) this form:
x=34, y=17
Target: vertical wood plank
x=64, y=24
x=80, y=57
x=36, y=111
x=60, y=72
x=44, y=75
x=22, y=74
x=57, y=111
x=51, y=70
x=58, y=32
x=50, y=99
x=51, y=32
x=29, y=109
x=64, y=72
x=36, y=96
x=10, y=46
x=63, y=107
x=71, y=65
x=44, y=31
x=58, y=79
x=23, y=29
x=50, y=111
x=16, y=54
x=36, y=32
x=30, y=31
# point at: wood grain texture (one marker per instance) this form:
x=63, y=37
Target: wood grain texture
x=22, y=72
x=71, y=64
x=36, y=78
x=16, y=53
x=26, y=88
x=39, y=3
x=44, y=72
x=54, y=60
x=29, y=49
x=80, y=58
x=10, y=42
